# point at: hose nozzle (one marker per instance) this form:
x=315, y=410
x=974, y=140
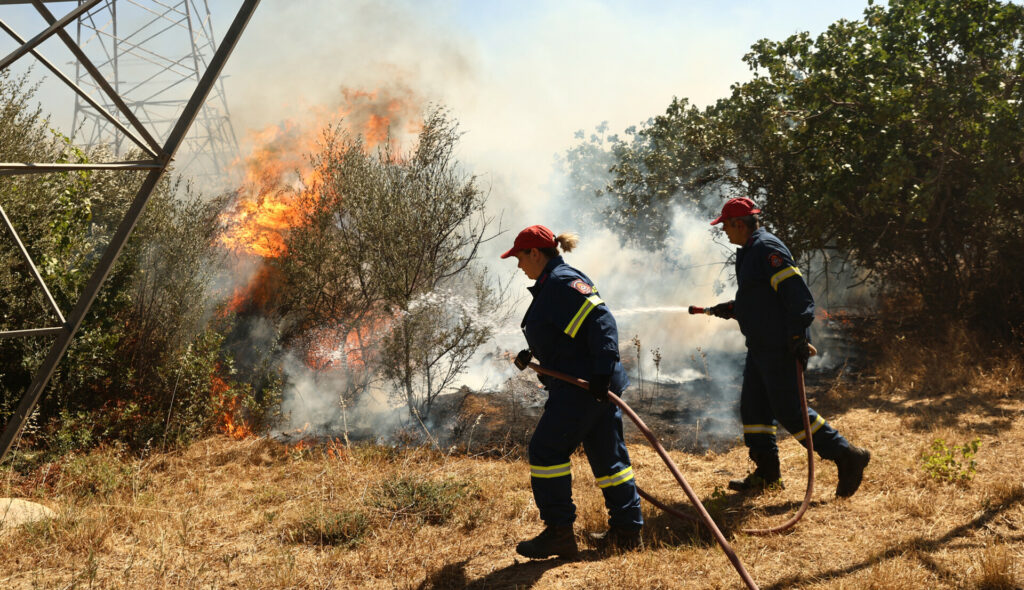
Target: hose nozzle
x=695, y=309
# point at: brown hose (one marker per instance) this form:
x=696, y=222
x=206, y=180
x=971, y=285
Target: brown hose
x=810, y=463
x=705, y=517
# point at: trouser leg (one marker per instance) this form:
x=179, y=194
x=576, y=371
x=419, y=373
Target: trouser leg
x=778, y=373
x=568, y=416
x=609, y=460
x=758, y=419
x=550, y=470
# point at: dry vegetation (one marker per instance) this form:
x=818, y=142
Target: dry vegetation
x=258, y=514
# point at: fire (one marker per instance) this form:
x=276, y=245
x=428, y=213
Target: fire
x=331, y=347
x=229, y=422
x=278, y=175
x=840, y=318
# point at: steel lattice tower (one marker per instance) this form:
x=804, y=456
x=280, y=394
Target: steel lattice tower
x=152, y=156
x=153, y=53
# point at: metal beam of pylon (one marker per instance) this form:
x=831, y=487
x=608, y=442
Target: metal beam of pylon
x=81, y=93
x=97, y=76
x=164, y=50
x=92, y=288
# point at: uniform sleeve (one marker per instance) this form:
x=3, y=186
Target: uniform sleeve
x=603, y=340
x=787, y=280
x=586, y=316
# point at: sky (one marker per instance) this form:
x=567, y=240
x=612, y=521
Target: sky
x=521, y=78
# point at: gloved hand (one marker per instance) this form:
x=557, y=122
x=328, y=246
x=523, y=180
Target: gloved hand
x=800, y=349
x=523, y=359
x=599, y=387
x=723, y=310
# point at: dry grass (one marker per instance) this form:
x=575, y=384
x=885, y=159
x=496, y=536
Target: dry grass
x=256, y=514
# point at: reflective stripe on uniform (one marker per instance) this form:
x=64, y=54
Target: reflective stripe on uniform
x=759, y=429
x=789, y=271
x=815, y=426
x=615, y=479
x=585, y=309
x=549, y=471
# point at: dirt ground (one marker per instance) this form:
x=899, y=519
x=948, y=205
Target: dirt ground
x=257, y=513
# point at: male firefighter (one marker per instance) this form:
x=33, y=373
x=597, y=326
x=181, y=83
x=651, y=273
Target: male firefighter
x=774, y=308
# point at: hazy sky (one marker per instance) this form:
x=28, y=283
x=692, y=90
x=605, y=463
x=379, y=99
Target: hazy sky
x=521, y=77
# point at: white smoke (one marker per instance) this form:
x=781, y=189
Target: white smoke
x=313, y=405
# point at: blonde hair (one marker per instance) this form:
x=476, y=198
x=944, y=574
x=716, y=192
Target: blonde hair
x=567, y=241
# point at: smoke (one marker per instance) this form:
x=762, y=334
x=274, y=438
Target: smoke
x=314, y=405
x=544, y=72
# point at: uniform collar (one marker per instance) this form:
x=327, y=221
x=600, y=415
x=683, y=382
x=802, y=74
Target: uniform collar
x=550, y=266
x=755, y=234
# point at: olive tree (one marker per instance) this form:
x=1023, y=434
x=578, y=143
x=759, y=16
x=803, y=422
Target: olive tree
x=386, y=252
x=139, y=369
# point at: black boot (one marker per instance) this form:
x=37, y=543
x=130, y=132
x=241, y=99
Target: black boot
x=851, y=466
x=553, y=540
x=766, y=476
x=618, y=538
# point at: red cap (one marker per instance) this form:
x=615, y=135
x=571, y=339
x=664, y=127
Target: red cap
x=535, y=236
x=739, y=207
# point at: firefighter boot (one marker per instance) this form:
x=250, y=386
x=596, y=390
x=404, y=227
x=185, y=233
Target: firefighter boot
x=851, y=466
x=766, y=476
x=618, y=538
x=553, y=540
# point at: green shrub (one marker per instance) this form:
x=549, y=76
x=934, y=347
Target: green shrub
x=97, y=474
x=940, y=461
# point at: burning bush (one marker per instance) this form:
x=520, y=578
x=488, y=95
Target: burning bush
x=370, y=270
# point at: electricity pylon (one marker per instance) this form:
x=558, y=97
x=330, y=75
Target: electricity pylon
x=153, y=53
x=154, y=157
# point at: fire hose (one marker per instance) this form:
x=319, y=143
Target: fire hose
x=704, y=516
x=807, y=436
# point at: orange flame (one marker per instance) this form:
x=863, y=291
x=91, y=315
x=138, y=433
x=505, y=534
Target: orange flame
x=229, y=422
x=278, y=173
x=841, y=317
x=331, y=347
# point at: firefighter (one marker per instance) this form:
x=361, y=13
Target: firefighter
x=570, y=329
x=774, y=308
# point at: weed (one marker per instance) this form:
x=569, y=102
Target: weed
x=940, y=461
x=717, y=503
x=96, y=474
x=996, y=570
x=344, y=529
x=426, y=501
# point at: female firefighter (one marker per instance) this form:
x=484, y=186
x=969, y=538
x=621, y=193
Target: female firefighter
x=569, y=329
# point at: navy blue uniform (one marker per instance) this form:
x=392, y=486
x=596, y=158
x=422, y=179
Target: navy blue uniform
x=773, y=304
x=570, y=329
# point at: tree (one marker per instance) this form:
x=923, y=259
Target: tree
x=140, y=366
x=385, y=253
x=895, y=140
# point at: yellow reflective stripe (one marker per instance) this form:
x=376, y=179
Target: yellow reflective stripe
x=759, y=429
x=784, y=274
x=615, y=479
x=550, y=471
x=815, y=427
x=585, y=309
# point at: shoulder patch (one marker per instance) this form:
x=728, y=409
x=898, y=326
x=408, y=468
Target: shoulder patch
x=774, y=260
x=582, y=286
